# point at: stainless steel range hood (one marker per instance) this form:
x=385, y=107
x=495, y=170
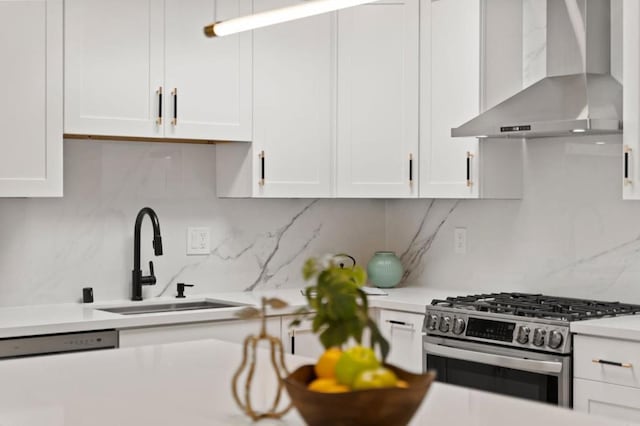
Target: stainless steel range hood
x=578, y=95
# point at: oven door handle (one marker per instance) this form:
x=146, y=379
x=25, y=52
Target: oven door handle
x=531, y=365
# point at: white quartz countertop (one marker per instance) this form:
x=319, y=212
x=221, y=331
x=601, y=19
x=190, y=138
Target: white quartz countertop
x=189, y=384
x=73, y=317
x=624, y=327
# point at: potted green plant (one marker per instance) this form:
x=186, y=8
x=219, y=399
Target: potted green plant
x=338, y=305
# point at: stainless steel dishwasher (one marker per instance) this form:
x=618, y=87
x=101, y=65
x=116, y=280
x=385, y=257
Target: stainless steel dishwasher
x=48, y=344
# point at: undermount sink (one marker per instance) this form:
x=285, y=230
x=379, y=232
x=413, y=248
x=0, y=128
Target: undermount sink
x=168, y=307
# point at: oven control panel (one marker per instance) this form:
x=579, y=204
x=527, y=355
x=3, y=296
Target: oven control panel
x=529, y=333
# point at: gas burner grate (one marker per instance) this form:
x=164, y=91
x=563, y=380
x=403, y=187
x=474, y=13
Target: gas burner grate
x=538, y=306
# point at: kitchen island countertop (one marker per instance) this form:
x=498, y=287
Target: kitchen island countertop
x=189, y=384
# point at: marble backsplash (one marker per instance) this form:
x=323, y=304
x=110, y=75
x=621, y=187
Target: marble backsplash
x=571, y=234
x=51, y=248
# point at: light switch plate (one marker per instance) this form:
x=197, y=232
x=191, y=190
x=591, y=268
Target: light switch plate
x=460, y=240
x=198, y=241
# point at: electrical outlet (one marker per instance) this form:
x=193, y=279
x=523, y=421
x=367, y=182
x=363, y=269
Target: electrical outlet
x=198, y=241
x=460, y=240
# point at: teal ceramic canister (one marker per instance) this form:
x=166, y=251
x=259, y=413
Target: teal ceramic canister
x=384, y=269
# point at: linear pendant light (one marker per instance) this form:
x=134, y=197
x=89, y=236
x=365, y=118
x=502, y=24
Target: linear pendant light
x=278, y=16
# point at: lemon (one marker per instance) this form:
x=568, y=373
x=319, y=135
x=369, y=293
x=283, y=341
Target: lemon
x=376, y=378
x=327, y=385
x=326, y=365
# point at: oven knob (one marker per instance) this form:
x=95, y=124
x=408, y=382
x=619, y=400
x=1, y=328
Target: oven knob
x=445, y=324
x=458, y=326
x=538, y=336
x=523, y=334
x=555, y=339
x=432, y=322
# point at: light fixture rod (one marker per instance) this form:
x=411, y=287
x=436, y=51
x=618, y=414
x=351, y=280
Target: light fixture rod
x=278, y=16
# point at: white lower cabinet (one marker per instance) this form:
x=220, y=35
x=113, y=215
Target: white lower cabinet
x=31, y=36
x=606, y=380
x=605, y=399
x=230, y=331
x=403, y=330
x=300, y=340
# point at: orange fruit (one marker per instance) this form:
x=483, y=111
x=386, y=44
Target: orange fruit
x=326, y=365
x=327, y=385
x=402, y=384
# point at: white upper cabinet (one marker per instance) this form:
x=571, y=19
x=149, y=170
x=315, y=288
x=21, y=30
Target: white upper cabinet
x=293, y=105
x=208, y=81
x=450, y=95
x=471, y=51
x=293, y=113
x=114, y=58
x=143, y=68
x=31, y=110
x=378, y=96
x=631, y=100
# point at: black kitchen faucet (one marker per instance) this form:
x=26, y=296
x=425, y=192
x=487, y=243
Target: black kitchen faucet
x=138, y=280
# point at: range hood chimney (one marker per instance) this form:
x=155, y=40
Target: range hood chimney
x=578, y=95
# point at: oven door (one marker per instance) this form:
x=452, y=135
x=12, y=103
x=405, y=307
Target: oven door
x=520, y=373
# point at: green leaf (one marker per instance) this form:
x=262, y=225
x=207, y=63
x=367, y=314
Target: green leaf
x=378, y=339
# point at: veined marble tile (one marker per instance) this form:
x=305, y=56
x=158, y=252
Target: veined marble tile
x=534, y=41
x=51, y=248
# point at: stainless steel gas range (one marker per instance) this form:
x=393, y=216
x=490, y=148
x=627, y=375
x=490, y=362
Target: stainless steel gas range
x=511, y=343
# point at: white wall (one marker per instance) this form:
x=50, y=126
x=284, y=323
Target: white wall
x=570, y=235
x=51, y=248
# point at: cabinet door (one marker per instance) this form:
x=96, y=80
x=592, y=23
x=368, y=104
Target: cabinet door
x=300, y=340
x=378, y=100
x=631, y=100
x=404, y=332
x=450, y=96
x=293, y=69
x=31, y=109
x=607, y=400
x=208, y=81
x=229, y=331
x=114, y=67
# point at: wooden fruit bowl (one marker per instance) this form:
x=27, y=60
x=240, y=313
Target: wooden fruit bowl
x=384, y=407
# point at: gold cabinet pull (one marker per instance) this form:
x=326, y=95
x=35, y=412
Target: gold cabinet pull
x=261, y=155
x=174, y=93
x=469, y=158
x=615, y=364
x=159, y=118
x=410, y=168
x=627, y=154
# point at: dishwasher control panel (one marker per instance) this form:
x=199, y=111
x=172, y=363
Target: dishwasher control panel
x=58, y=343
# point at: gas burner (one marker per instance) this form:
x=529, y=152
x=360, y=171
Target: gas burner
x=538, y=306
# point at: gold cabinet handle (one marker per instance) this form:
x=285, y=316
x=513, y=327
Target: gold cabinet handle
x=627, y=154
x=261, y=156
x=469, y=158
x=159, y=118
x=615, y=364
x=410, y=168
x=174, y=93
